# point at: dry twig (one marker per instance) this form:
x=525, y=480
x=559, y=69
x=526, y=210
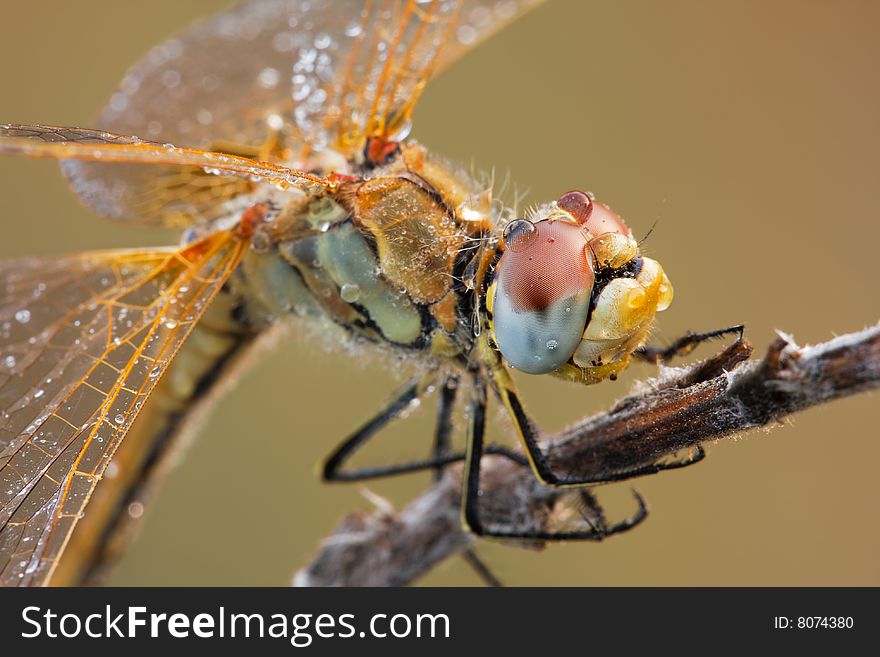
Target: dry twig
x=681, y=409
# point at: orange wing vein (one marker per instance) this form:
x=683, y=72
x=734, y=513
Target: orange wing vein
x=282, y=79
x=83, y=341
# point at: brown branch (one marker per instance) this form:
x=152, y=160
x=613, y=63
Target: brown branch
x=680, y=409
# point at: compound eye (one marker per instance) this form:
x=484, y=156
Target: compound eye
x=543, y=283
x=605, y=220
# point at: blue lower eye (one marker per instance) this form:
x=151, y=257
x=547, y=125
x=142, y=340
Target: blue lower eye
x=539, y=341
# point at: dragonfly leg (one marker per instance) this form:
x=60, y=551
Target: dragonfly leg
x=528, y=435
x=443, y=428
x=481, y=569
x=685, y=344
x=442, y=444
x=596, y=531
x=332, y=470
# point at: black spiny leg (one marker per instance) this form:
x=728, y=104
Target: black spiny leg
x=594, y=515
x=443, y=428
x=685, y=344
x=332, y=470
x=528, y=435
x=471, y=491
x=442, y=444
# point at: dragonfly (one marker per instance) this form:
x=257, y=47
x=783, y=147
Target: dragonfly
x=289, y=172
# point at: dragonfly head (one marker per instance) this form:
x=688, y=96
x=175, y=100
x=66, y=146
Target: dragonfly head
x=571, y=290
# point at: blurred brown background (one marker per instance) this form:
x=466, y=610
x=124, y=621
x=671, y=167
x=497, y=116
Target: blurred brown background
x=749, y=129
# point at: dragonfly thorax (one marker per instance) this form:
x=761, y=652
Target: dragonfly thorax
x=398, y=258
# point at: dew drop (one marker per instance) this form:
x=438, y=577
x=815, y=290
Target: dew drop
x=469, y=275
x=275, y=122
x=171, y=78
x=39, y=393
x=171, y=323
x=23, y=316
x=269, y=77
x=552, y=344
x=322, y=41
x=466, y=34
x=155, y=372
x=350, y=292
x=120, y=418
x=519, y=234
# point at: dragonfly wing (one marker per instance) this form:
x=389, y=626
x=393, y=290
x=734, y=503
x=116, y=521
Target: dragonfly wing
x=214, y=176
x=399, y=48
x=275, y=79
x=83, y=341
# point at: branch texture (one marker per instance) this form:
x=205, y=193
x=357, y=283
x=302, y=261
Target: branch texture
x=682, y=408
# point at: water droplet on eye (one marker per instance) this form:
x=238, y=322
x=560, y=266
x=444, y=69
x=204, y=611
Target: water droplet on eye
x=578, y=204
x=519, y=234
x=350, y=292
x=23, y=316
x=552, y=344
x=120, y=418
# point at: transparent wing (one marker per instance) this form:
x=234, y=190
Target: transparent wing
x=277, y=78
x=213, y=176
x=83, y=340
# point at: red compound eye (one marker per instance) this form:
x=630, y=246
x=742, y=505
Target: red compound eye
x=605, y=220
x=542, y=295
x=577, y=204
